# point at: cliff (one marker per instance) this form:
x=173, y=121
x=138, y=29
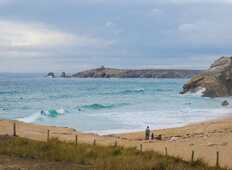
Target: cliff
x=215, y=82
x=129, y=73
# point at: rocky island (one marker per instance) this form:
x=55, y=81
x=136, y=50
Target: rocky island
x=214, y=82
x=103, y=72
x=62, y=75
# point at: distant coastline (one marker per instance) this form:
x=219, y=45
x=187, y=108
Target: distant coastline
x=104, y=72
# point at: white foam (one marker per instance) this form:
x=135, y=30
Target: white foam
x=32, y=118
x=197, y=92
x=61, y=111
x=200, y=91
x=139, y=90
x=137, y=121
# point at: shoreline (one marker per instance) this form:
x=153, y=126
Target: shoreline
x=139, y=130
x=205, y=138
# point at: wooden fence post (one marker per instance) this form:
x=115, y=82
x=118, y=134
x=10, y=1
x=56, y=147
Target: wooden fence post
x=115, y=143
x=141, y=147
x=192, y=157
x=166, y=151
x=217, y=160
x=94, y=142
x=76, y=137
x=48, y=135
x=14, y=129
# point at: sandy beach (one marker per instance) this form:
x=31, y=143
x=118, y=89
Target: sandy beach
x=205, y=139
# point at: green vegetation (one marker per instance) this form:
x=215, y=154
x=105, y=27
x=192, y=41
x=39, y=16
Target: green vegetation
x=93, y=157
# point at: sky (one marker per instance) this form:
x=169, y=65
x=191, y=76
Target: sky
x=74, y=35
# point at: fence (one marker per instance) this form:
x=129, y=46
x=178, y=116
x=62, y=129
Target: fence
x=192, y=158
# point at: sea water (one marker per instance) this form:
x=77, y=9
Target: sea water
x=104, y=105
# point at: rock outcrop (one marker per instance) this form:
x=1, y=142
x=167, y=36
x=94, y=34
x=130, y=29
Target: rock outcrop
x=103, y=72
x=51, y=74
x=215, y=82
x=63, y=75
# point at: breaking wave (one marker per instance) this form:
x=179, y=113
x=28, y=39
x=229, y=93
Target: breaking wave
x=197, y=92
x=97, y=106
x=126, y=92
x=8, y=92
x=133, y=91
x=42, y=114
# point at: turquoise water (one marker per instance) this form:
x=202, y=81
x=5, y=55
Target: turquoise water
x=103, y=105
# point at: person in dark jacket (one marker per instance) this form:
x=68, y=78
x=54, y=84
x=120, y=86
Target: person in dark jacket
x=147, y=133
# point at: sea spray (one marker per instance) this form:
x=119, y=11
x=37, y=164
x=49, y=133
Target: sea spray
x=32, y=118
x=200, y=91
x=197, y=92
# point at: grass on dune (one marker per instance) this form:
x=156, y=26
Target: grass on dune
x=95, y=157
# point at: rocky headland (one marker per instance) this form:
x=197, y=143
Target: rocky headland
x=103, y=72
x=214, y=82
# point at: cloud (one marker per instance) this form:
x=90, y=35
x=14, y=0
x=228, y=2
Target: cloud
x=144, y=2
x=5, y=2
x=206, y=32
x=155, y=10
x=23, y=35
x=147, y=2
x=187, y=28
x=201, y=1
x=25, y=46
x=109, y=24
x=37, y=32
x=19, y=35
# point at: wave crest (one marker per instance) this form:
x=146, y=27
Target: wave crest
x=41, y=115
x=97, y=106
x=133, y=91
x=126, y=92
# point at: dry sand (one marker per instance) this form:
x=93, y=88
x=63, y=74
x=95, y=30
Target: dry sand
x=205, y=139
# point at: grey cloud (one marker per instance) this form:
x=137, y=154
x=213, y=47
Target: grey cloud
x=122, y=33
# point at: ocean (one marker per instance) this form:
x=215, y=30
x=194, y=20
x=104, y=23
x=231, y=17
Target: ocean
x=104, y=106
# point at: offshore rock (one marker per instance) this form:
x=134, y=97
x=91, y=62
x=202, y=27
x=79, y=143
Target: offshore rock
x=51, y=74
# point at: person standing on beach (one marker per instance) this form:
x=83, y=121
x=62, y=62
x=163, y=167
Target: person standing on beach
x=147, y=133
